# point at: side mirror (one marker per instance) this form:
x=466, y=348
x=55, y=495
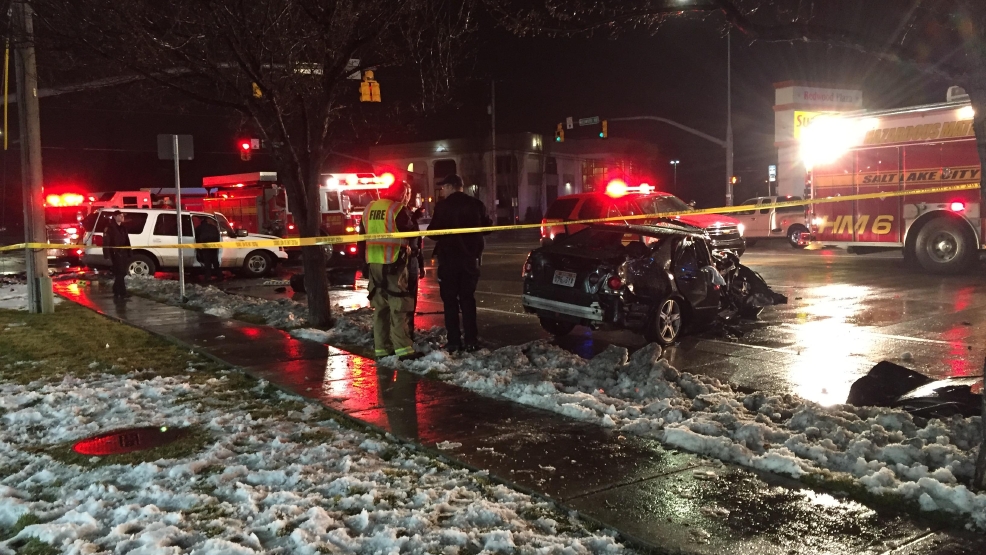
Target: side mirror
x=242, y=233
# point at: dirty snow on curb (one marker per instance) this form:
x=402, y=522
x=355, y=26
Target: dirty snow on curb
x=353, y=327
x=883, y=450
x=294, y=482
x=280, y=313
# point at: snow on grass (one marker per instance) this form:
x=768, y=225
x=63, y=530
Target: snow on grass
x=883, y=450
x=270, y=475
x=13, y=294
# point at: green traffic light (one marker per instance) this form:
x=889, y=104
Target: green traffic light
x=557, y=139
x=601, y=136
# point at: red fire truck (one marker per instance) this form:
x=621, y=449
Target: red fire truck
x=257, y=203
x=895, y=151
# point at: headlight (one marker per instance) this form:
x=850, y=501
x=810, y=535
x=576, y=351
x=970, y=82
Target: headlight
x=741, y=228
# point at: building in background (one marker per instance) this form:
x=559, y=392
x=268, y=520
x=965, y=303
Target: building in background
x=531, y=170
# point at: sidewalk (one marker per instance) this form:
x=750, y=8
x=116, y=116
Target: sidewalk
x=667, y=500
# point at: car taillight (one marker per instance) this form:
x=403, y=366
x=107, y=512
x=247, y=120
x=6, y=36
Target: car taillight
x=528, y=269
x=615, y=283
x=352, y=250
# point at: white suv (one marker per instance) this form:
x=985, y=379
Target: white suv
x=767, y=221
x=149, y=227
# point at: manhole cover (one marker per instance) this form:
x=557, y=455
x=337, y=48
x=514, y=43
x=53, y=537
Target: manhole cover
x=128, y=440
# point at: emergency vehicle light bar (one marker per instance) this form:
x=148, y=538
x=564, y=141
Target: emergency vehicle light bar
x=358, y=181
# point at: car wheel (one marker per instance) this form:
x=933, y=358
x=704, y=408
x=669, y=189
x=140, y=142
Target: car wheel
x=142, y=265
x=943, y=246
x=666, y=323
x=258, y=264
x=794, y=235
x=556, y=327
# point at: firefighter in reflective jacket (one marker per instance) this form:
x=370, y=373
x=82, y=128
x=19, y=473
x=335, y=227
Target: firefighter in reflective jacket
x=386, y=265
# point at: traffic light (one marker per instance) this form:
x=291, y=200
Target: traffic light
x=246, y=149
x=605, y=132
x=369, y=90
x=559, y=134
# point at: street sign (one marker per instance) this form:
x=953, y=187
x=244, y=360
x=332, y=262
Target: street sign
x=166, y=147
x=588, y=121
x=772, y=173
x=568, y=123
x=351, y=65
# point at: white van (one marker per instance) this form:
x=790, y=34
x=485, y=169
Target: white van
x=767, y=221
x=149, y=227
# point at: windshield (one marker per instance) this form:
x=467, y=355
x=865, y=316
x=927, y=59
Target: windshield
x=224, y=226
x=662, y=204
x=63, y=215
x=357, y=200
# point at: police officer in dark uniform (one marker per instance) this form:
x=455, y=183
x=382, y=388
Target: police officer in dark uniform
x=115, y=235
x=459, y=259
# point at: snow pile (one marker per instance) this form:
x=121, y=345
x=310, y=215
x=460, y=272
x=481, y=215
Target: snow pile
x=280, y=313
x=291, y=483
x=355, y=327
x=884, y=450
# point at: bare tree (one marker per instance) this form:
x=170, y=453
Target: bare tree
x=283, y=64
x=944, y=39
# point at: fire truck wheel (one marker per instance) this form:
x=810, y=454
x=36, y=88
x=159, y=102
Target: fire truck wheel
x=944, y=247
x=142, y=265
x=258, y=264
x=794, y=235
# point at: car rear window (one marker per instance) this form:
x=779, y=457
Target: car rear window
x=561, y=209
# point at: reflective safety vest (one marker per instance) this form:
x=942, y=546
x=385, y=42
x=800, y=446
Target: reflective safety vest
x=381, y=217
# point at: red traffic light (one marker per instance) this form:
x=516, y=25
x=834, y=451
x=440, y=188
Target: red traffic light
x=245, y=145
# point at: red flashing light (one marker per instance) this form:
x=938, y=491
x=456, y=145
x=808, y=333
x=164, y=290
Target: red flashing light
x=957, y=206
x=387, y=179
x=53, y=200
x=616, y=188
x=352, y=250
x=71, y=230
x=290, y=226
x=615, y=283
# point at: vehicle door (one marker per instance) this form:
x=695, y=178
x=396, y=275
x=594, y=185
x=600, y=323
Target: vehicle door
x=748, y=217
x=591, y=209
x=231, y=256
x=693, y=281
x=165, y=232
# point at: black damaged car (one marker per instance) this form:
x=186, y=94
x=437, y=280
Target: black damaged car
x=659, y=280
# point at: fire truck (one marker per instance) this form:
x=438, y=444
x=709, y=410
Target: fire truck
x=895, y=151
x=256, y=202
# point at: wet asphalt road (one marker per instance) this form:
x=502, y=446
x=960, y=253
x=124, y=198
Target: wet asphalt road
x=845, y=313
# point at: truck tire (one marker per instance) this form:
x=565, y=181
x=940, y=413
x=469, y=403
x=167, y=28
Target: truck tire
x=141, y=265
x=258, y=264
x=557, y=328
x=944, y=246
x=794, y=233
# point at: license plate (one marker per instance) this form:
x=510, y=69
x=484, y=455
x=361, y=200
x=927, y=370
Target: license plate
x=566, y=279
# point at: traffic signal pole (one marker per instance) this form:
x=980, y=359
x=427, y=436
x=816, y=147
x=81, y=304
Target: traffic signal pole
x=39, y=294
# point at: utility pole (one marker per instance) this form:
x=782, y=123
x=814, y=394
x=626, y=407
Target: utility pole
x=675, y=164
x=729, y=119
x=39, y=295
x=493, y=155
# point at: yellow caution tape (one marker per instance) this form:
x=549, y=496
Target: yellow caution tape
x=346, y=239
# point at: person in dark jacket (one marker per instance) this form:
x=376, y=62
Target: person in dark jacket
x=115, y=235
x=415, y=261
x=207, y=232
x=459, y=259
